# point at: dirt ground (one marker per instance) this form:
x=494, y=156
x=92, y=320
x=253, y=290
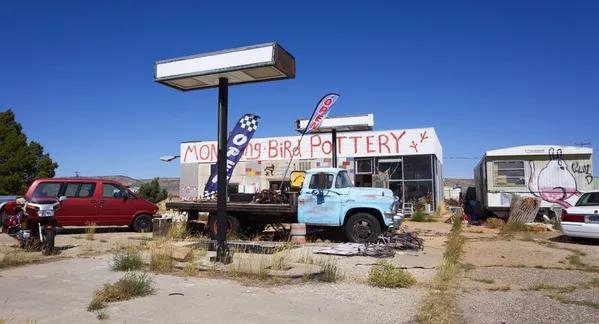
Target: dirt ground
x=85, y=269
x=528, y=278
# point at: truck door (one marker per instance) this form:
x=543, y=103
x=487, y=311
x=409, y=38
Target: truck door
x=319, y=204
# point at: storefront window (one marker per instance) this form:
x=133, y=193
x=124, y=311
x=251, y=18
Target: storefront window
x=364, y=166
x=417, y=167
x=391, y=166
x=414, y=190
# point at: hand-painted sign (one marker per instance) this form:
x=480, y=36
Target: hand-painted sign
x=315, y=146
x=238, y=140
x=321, y=111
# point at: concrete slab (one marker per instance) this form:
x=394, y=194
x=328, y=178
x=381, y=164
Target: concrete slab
x=59, y=292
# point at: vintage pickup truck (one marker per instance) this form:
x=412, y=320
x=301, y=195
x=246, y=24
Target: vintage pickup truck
x=318, y=198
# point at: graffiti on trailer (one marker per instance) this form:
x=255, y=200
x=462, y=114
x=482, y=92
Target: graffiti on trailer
x=555, y=182
x=584, y=169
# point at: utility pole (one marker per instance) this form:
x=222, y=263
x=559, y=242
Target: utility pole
x=77, y=174
x=582, y=144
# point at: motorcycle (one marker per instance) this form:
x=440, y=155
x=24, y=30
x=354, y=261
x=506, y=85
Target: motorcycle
x=32, y=224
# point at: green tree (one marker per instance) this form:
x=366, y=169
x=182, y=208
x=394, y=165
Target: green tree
x=152, y=192
x=20, y=162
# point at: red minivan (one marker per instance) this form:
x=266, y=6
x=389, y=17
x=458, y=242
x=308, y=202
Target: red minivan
x=103, y=202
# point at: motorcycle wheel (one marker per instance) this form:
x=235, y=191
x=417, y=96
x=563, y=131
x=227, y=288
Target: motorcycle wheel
x=48, y=243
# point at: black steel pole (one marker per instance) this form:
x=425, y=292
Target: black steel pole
x=221, y=198
x=334, y=146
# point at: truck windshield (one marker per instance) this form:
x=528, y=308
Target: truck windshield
x=343, y=180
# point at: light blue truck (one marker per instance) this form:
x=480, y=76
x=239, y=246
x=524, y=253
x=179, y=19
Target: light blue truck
x=319, y=198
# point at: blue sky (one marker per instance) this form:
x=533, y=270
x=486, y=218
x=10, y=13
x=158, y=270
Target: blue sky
x=485, y=74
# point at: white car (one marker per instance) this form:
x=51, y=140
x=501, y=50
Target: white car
x=582, y=220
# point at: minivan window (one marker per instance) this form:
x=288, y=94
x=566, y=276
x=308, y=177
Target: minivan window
x=589, y=199
x=47, y=190
x=79, y=189
x=110, y=190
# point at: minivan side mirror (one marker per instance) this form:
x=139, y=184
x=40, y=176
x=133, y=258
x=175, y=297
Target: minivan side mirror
x=62, y=198
x=321, y=180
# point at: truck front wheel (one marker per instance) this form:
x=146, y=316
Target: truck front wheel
x=232, y=226
x=362, y=227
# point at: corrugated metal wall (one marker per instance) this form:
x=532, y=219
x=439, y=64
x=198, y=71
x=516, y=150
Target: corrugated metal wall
x=188, y=182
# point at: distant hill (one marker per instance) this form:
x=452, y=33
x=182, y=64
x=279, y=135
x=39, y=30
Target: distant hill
x=170, y=184
x=458, y=183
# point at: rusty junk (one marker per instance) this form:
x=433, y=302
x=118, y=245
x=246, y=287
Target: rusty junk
x=270, y=197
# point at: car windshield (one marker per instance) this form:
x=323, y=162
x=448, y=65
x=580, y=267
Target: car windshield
x=343, y=180
x=589, y=199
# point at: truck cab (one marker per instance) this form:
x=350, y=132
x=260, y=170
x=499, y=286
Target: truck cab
x=327, y=197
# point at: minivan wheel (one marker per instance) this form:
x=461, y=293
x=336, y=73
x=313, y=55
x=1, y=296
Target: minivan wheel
x=142, y=223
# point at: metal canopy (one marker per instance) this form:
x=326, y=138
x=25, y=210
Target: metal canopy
x=249, y=64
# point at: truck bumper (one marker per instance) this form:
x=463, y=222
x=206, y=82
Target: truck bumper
x=395, y=220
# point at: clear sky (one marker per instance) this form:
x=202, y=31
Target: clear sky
x=484, y=74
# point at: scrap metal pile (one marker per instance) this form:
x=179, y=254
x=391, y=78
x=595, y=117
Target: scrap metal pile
x=270, y=197
x=383, y=247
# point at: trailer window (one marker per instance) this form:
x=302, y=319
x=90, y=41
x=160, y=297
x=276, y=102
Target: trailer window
x=509, y=173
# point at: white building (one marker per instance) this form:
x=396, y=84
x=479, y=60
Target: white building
x=408, y=161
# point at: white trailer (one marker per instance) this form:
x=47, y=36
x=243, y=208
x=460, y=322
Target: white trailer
x=556, y=174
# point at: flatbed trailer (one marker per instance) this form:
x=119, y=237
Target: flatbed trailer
x=242, y=216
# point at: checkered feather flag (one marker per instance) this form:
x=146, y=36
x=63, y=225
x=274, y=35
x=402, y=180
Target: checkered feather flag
x=238, y=140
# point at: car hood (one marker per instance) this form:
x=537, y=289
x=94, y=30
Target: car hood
x=377, y=192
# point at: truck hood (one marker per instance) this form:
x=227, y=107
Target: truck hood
x=377, y=192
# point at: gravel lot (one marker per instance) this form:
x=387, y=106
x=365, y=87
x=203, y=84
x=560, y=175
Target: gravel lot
x=520, y=307
x=515, y=265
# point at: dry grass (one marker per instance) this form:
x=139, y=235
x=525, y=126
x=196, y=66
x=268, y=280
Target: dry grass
x=500, y=288
x=514, y=227
x=438, y=308
x=90, y=231
x=132, y=285
x=177, y=231
x=101, y=315
x=386, y=275
x=550, y=286
x=126, y=260
x=487, y=281
x=330, y=270
x=495, y=222
x=161, y=257
x=566, y=300
x=18, y=257
x=420, y=216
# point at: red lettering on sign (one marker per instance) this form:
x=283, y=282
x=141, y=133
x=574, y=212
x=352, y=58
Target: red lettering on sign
x=190, y=148
x=313, y=143
x=287, y=146
x=297, y=151
x=328, y=102
x=213, y=152
x=397, y=138
x=369, y=143
x=204, y=152
x=355, y=138
x=329, y=149
x=383, y=140
x=272, y=149
x=339, y=144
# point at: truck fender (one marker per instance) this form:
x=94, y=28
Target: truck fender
x=370, y=210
